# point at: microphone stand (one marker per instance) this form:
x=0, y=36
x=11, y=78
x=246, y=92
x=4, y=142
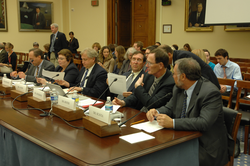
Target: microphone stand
x=50, y=80
x=141, y=111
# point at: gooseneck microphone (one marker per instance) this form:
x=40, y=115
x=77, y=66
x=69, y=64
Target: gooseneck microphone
x=50, y=80
x=170, y=93
x=102, y=93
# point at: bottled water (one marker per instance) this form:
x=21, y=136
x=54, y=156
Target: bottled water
x=4, y=75
x=75, y=97
x=22, y=81
x=53, y=97
x=108, y=105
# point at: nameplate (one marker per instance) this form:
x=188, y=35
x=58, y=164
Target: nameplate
x=21, y=88
x=7, y=82
x=37, y=93
x=66, y=102
x=99, y=114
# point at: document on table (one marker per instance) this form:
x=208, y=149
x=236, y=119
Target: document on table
x=119, y=86
x=137, y=137
x=51, y=74
x=148, y=126
x=88, y=102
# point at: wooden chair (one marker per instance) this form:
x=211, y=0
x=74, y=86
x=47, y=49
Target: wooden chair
x=78, y=63
x=229, y=82
x=213, y=61
x=243, y=64
x=245, y=120
x=245, y=60
x=232, y=121
x=248, y=69
x=235, y=60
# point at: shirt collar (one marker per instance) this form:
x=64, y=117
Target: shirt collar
x=191, y=89
x=40, y=64
x=228, y=64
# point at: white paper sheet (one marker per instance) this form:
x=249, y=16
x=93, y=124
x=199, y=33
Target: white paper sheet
x=119, y=86
x=51, y=74
x=88, y=102
x=137, y=137
x=148, y=126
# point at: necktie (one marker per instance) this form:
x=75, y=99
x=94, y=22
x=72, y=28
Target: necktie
x=224, y=70
x=52, y=43
x=184, y=106
x=37, y=70
x=84, y=78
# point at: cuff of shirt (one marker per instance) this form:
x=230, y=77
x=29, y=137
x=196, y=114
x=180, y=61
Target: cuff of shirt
x=173, y=123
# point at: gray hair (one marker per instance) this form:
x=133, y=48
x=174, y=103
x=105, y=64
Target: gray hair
x=2, y=46
x=189, y=67
x=54, y=24
x=37, y=52
x=91, y=53
x=130, y=50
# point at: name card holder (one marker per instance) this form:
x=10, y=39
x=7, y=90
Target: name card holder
x=67, y=110
x=39, y=100
x=99, y=127
x=6, y=86
x=15, y=93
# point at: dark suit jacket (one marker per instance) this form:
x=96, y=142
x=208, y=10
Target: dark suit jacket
x=40, y=19
x=200, y=21
x=47, y=65
x=141, y=98
x=204, y=114
x=60, y=43
x=206, y=70
x=3, y=56
x=74, y=45
x=71, y=73
x=13, y=60
x=132, y=85
x=96, y=82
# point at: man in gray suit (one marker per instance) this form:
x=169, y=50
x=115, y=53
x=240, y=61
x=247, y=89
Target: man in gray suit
x=3, y=54
x=196, y=105
x=38, y=64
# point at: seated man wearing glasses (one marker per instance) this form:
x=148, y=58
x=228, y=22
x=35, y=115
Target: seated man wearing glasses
x=151, y=87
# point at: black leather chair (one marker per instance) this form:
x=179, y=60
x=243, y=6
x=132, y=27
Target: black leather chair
x=232, y=121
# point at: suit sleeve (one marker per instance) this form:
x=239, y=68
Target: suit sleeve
x=71, y=75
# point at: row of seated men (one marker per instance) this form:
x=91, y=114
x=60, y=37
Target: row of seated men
x=187, y=99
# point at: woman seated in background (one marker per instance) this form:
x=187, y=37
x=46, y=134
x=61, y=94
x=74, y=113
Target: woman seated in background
x=200, y=53
x=65, y=60
x=207, y=53
x=73, y=43
x=119, y=53
x=106, y=59
x=187, y=47
x=126, y=63
x=12, y=58
x=96, y=46
x=46, y=51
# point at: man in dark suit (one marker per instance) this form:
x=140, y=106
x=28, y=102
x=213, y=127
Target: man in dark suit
x=196, y=105
x=197, y=18
x=3, y=54
x=38, y=64
x=91, y=80
x=154, y=85
x=38, y=19
x=138, y=60
x=206, y=70
x=58, y=42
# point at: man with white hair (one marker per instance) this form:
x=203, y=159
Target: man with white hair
x=58, y=42
x=126, y=67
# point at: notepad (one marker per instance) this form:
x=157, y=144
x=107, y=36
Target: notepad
x=136, y=137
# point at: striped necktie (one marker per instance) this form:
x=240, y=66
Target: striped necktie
x=184, y=106
x=84, y=78
x=37, y=70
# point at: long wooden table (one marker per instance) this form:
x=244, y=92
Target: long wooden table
x=34, y=139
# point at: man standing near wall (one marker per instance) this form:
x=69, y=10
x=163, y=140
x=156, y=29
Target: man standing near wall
x=58, y=41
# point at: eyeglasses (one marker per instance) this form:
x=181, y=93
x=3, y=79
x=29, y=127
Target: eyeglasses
x=150, y=64
x=136, y=60
x=60, y=59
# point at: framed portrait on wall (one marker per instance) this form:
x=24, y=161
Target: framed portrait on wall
x=3, y=16
x=195, y=16
x=34, y=15
x=237, y=28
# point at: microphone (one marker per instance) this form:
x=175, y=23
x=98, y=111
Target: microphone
x=50, y=80
x=102, y=94
x=170, y=93
x=75, y=86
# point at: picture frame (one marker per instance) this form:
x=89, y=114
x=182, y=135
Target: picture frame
x=35, y=15
x=167, y=28
x=3, y=16
x=194, y=20
x=237, y=28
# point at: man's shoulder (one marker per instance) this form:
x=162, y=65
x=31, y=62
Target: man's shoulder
x=233, y=64
x=97, y=69
x=47, y=64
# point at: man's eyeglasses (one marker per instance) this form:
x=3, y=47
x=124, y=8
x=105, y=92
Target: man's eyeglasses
x=150, y=64
x=136, y=60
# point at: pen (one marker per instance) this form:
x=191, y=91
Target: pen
x=137, y=122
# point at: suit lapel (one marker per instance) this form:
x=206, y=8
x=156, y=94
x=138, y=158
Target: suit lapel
x=180, y=98
x=161, y=81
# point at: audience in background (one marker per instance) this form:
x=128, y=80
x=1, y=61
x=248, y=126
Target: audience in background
x=138, y=45
x=66, y=65
x=187, y=47
x=35, y=45
x=226, y=69
x=200, y=53
x=157, y=43
x=175, y=46
x=10, y=65
x=96, y=46
x=73, y=43
x=3, y=54
x=112, y=49
x=106, y=59
x=46, y=51
x=207, y=53
x=119, y=53
x=126, y=64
